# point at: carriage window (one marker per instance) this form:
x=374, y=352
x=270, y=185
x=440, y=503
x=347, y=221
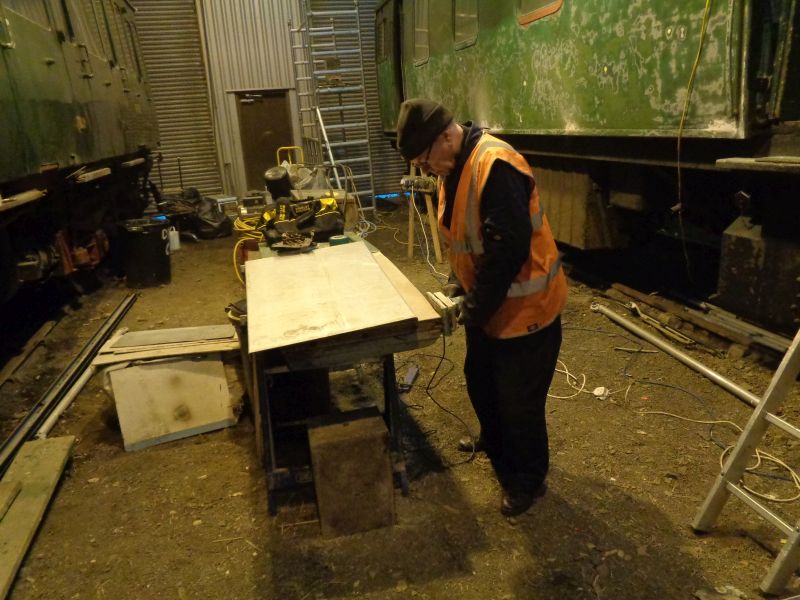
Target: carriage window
x=80, y=24
x=530, y=10
x=105, y=15
x=34, y=11
x=465, y=22
x=421, y=48
x=96, y=26
x=123, y=50
x=135, y=50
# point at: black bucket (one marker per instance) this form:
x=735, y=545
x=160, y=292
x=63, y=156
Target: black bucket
x=278, y=183
x=146, y=251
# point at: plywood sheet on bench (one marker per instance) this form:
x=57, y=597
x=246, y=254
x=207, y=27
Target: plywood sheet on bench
x=37, y=467
x=167, y=400
x=317, y=295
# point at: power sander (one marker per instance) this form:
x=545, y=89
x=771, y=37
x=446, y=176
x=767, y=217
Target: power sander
x=448, y=309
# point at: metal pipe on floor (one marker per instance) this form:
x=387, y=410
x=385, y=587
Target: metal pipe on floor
x=723, y=382
x=65, y=402
x=57, y=390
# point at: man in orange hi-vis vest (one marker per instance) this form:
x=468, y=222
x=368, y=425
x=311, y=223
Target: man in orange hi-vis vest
x=505, y=262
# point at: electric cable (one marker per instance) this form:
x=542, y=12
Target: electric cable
x=247, y=230
x=434, y=272
x=685, y=112
x=364, y=225
x=432, y=384
x=761, y=456
x=380, y=223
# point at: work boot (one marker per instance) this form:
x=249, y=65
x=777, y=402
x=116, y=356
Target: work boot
x=465, y=444
x=516, y=502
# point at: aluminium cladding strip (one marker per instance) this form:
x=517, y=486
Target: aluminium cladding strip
x=58, y=389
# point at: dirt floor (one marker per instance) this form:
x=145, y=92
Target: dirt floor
x=188, y=519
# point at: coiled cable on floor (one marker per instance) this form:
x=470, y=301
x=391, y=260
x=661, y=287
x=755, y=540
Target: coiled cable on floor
x=248, y=230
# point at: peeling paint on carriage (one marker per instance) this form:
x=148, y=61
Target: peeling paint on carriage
x=595, y=93
x=607, y=68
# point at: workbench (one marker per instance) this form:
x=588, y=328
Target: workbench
x=331, y=309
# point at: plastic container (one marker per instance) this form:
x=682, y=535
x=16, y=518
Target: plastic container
x=174, y=240
x=146, y=251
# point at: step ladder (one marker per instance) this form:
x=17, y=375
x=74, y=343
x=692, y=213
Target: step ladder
x=729, y=480
x=331, y=90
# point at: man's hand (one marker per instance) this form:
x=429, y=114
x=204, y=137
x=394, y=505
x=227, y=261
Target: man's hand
x=462, y=310
x=452, y=290
x=453, y=287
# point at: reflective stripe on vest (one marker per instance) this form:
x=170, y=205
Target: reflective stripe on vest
x=535, y=285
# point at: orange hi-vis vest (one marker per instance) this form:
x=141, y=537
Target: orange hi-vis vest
x=539, y=291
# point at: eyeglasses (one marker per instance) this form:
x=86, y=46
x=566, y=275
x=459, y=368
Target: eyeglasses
x=423, y=164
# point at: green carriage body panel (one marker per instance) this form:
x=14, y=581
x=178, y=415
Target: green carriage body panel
x=78, y=131
x=387, y=53
x=601, y=68
x=63, y=103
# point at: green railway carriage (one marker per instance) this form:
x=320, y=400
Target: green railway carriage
x=637, y=115
x=77, y=130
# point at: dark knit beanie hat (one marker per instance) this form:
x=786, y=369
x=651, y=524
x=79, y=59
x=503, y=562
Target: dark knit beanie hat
x=419, y=123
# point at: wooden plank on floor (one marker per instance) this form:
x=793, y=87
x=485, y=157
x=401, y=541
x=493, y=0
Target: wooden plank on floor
x=176, y=335
x=327, y=292
x=8, y=491
x=16, y=361
x=168, y=400
x=37, y=468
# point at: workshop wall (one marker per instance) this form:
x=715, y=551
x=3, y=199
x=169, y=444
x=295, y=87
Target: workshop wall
x=199, y=52
x=247, y=49
x=169, y=35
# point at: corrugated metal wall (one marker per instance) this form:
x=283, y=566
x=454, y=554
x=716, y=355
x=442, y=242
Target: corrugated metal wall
x=170, y=40
x=247, y=43
x=246, y=46
x=387, y=165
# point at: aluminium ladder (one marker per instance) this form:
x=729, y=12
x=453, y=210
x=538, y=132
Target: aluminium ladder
x=729, y=480
x=329, y=74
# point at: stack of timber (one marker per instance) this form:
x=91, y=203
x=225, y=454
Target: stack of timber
x=710, y=326
x=160, y=343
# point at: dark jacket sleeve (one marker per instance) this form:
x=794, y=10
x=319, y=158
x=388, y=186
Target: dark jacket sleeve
x=506, y=229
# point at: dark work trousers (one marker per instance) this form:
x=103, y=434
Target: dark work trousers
x=507, y=382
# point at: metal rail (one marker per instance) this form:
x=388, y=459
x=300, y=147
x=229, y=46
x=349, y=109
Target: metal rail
x=59, y=388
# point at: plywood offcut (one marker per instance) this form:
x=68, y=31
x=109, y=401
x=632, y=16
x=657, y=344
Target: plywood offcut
x=167, y=400
x=174, y=336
